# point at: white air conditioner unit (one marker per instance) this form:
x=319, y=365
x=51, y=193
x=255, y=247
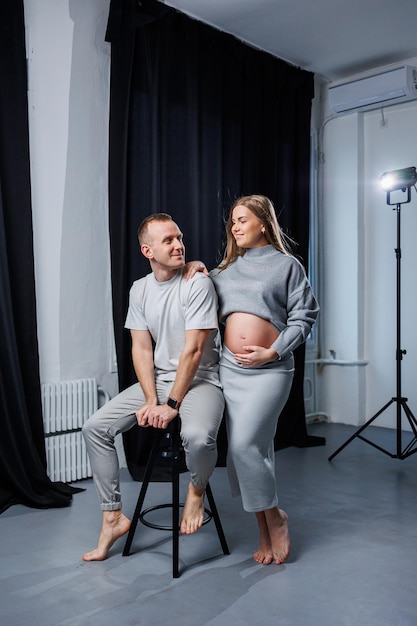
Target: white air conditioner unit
x=372, y=92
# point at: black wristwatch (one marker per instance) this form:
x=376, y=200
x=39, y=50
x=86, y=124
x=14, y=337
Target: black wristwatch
x=174, y=404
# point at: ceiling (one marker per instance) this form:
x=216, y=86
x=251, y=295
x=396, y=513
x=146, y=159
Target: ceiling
x=332, y=38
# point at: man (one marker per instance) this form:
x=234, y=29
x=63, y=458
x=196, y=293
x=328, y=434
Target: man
x=175, y=351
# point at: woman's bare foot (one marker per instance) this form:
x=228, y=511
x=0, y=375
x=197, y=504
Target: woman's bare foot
x=193, y=515
x=277, y=521
x=264, y=553
x=114, y=525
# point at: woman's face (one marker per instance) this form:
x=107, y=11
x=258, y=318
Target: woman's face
x=246, y=228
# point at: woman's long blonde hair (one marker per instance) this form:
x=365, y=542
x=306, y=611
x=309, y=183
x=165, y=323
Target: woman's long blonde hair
x=264, y=211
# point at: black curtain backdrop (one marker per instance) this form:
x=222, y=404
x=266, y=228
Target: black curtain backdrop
x=197, y=118
x=23, y=477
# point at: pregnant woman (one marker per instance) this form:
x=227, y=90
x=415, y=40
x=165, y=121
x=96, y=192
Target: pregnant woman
x=268, y=309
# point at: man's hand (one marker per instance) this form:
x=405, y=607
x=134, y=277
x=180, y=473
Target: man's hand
x=157, y=416
x=142, y=414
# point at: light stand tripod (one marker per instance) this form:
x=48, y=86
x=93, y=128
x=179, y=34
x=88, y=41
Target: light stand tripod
x=399, y=400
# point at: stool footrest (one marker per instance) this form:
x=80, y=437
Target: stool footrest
x=207, y=518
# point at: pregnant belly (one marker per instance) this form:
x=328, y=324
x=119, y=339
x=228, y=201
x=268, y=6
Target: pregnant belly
x=245, y=329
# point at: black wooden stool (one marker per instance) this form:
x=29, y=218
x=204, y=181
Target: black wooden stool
x=175, y=450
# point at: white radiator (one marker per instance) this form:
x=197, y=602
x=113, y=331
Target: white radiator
x=66, y=406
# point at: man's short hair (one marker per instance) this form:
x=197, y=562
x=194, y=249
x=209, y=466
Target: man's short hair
x=155, y=217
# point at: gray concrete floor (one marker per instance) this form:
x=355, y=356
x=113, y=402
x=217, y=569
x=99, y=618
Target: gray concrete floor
x=353, y=560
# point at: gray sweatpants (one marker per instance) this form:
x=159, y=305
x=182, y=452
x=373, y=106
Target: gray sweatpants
x=254, y=399
x=201, y=415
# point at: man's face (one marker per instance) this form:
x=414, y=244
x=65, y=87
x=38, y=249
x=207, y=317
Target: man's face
x=164, y=246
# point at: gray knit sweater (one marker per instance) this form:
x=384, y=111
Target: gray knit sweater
x=271, y=285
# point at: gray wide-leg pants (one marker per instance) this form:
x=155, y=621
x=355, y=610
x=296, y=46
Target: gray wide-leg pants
x=254, y=399
x=201, y=415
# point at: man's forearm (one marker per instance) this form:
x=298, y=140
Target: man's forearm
x=187, y=369
x=144, y=369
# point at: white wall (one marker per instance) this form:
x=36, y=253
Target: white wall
x=68, y=66
x=358, y=264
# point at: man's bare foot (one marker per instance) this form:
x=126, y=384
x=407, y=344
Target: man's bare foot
x=263, y=556
x=115, y=525
x=193, y=514
x=264, y=553
x=277, y=521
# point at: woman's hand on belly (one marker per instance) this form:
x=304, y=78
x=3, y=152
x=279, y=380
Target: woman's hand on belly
x=255, y=356
x=247, y=337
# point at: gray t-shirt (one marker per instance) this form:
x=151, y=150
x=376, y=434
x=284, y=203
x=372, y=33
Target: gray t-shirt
x=167, y=309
